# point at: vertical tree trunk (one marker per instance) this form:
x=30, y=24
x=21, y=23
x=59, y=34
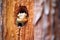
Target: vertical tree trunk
x=10, y=29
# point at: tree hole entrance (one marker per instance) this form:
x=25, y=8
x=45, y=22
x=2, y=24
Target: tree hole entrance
x=22, y=16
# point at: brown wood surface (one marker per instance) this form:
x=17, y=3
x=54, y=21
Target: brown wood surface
x=28, y=32
x=11, y=31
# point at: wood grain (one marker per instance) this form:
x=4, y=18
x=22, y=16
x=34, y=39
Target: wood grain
x=11, y=31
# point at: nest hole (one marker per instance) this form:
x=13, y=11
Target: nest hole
x=22, y=10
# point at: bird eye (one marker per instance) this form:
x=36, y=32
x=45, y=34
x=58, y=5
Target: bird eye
x=22, y=16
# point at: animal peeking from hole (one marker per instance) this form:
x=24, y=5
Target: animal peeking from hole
x=21, y=19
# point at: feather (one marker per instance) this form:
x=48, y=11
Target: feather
x=21, y=18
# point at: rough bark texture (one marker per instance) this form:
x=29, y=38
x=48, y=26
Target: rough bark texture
x=0, y=21
x=57, y=21
x=40, y=31
x=11, y=31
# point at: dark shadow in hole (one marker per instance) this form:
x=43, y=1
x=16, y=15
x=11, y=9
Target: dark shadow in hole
x=23, y=9
x=19, y=24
